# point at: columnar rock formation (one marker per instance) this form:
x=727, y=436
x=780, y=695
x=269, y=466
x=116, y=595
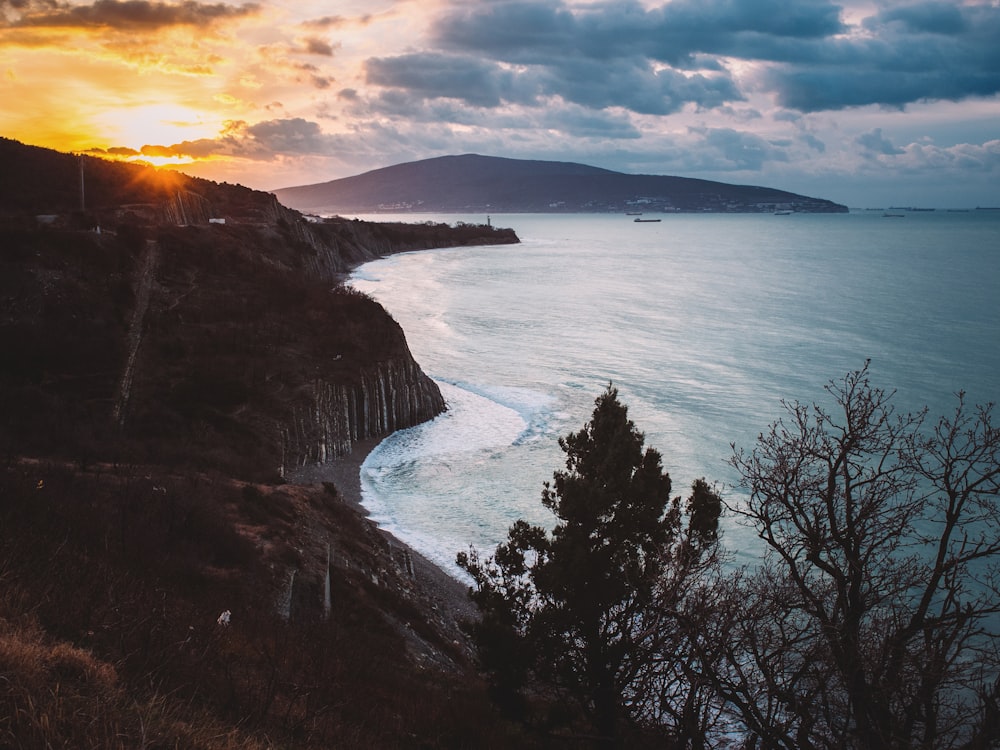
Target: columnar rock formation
x=390, y=396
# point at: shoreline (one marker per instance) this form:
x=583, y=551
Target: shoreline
x=344, y=473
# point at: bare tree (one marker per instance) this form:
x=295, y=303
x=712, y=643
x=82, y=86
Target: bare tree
x=669, y=690
x=874, y=619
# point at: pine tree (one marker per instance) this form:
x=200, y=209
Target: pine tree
x=577, y=611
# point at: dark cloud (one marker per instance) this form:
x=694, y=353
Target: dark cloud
x=636, y=86
x=826, y=88
x=909, y=52
x=679, y=33
x=122, y=151
x=292, y=136
x=629, y=83
x=929, y=18
x=317, y=46
x=432, y=75
x=130, y=14
x=7, y=7
x=930, y=51
x=262, y=141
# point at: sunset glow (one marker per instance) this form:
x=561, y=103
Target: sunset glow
x=857, y=102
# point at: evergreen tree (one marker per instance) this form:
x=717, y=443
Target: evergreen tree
x=577, y=611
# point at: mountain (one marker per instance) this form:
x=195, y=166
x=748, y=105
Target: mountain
x=487, y=184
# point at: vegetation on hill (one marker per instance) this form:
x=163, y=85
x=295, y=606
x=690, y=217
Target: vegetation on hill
x=487, y=184
x=156, y=379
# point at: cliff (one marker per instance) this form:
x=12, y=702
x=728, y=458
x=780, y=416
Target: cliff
x=324, y=425
x=193, y=323
x=168, y=351
x=195, y=345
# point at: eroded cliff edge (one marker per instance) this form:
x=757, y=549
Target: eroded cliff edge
x=156, y=380
x=180, y=322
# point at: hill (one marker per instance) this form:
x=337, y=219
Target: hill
x=159, y=379
x=484, y=184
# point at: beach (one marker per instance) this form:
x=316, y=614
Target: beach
x=445, y=597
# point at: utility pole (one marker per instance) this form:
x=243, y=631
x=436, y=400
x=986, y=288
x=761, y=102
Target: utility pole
x=83, y=203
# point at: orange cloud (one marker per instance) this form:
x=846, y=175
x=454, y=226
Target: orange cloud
x=262, y=141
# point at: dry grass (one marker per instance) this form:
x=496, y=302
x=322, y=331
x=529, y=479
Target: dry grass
x=109, y=592
x=55, y=695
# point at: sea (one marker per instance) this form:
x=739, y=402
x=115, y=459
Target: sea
x=705, y=324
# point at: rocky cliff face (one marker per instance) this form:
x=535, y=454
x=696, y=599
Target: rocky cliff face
x=184, y=207
x=391, y=395
x=170, y=339
x=195, y=347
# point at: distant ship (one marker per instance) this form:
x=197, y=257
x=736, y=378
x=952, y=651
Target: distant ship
x=645, y=220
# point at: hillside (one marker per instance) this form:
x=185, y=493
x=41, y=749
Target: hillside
x=484, y=184
x=158, y=380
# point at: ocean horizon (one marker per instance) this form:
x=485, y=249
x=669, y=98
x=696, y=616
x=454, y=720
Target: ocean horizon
x=704, y=323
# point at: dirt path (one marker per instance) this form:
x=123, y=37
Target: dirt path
x=143, y=291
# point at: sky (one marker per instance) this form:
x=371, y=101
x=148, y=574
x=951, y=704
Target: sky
x=870, y=103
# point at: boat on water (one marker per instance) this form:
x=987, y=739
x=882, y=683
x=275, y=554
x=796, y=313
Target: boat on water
x=893, y=216
x=633, y=213
x=782, y=213
x=645, y=220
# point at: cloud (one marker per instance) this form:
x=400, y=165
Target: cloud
x=262, y=141
x=928, y=159
x=875, y=142
x=630, y=84
x=118, y=151
x=336, y=22
x=929, y=17
x=326, y=22
x=128, y=15
x=735, y=150
x=294, y=136
x=636, y=86
x=930, y=51
x=813, y=142
x=579, y=122
x=317, y=46
x=535, y=32
x=466, y=78
x=812, y=60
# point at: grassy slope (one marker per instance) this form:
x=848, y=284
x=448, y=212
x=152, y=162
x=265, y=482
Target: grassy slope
x=119, y=547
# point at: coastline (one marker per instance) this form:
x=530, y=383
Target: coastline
x=445, y=592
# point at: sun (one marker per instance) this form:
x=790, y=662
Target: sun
x=163, y=161
x=155, y=124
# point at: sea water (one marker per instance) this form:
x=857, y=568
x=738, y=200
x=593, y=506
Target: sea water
x=704, y=324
